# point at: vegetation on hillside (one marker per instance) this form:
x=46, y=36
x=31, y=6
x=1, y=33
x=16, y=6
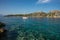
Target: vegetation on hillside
x=54, y=13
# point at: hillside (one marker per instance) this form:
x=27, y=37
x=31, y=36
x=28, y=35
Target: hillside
x=53, y=13
x=35, y=14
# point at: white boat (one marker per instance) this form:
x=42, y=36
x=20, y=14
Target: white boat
x=24, y=17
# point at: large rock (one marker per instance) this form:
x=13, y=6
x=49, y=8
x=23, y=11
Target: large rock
x=3, y=32
x=2, y=25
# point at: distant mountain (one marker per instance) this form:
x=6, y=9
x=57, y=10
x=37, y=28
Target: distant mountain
x=52, y=14
x=1, y=15
x=35, y=14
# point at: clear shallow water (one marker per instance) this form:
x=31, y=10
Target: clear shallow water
x=32, y=28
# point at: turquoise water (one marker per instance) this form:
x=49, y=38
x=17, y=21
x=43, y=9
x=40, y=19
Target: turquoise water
x=32, y=28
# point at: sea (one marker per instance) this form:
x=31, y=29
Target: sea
x=32, y=28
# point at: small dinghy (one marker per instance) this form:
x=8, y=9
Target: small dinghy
x=25, y=17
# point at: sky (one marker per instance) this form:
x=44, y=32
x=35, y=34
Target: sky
x=27, y=6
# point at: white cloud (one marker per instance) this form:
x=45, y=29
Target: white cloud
x=43, y=1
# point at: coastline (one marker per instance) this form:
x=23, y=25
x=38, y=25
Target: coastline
x=51, y=14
